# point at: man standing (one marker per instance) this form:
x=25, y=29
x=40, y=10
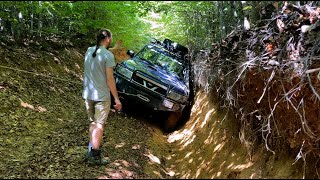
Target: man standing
x=98, y=83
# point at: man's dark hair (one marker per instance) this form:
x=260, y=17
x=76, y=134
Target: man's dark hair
x=104, y=33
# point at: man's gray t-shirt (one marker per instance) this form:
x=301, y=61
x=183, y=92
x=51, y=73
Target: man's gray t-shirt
x=95, y=81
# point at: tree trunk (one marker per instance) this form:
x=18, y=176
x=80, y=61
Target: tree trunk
x=211, y=21
x=234, y=14
x=31, y=24
x=19, y=14
x=13, y=24
x=221, y=20
x=241, y=13
x=2, y=21
x=40, y=21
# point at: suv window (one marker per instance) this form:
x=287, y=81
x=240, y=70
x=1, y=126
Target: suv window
x=166, y=62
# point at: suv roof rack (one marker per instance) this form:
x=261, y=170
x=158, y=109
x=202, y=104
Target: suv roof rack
x=175, y=48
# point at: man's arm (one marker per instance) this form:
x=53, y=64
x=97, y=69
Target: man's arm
x=113, y=89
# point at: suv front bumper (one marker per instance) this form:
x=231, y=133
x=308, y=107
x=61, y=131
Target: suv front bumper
x=136, y=93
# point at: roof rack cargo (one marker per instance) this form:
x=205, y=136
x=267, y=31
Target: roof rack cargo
x=175, y=47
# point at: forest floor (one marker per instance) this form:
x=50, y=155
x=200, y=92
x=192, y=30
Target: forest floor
x=44, y=130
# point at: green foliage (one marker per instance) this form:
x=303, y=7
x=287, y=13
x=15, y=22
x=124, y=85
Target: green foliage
x=189, y=23
x=198, y=24
x=67, y=19
x=193, y=23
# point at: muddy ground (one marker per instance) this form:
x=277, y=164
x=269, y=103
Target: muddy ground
x=44, y=130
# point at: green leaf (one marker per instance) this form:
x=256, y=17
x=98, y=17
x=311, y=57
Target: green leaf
x=247, y=8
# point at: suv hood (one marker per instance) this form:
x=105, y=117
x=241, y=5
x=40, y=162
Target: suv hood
x=175, y=83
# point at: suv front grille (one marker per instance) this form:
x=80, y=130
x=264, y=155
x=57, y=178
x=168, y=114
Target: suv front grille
x=149, y=84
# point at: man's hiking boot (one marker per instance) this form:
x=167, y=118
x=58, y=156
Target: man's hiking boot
x=94, y=157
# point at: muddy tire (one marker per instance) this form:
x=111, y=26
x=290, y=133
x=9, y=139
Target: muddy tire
x=172, y=120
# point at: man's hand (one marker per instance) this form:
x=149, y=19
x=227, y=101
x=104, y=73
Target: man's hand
x=118, y=105
x=112, y=86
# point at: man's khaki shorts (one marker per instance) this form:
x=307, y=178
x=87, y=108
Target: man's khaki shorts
x=98, y=111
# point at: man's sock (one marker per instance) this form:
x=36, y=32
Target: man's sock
x=89, y=147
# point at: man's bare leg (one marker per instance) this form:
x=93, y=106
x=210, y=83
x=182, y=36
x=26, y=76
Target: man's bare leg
x=95, y=134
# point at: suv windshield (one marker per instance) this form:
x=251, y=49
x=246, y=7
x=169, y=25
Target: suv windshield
x=166, y=62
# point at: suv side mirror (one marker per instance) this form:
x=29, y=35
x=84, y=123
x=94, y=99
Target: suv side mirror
x=130, y=53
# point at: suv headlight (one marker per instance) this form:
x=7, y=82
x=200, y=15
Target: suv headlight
x=124, y=71
x=177, y=97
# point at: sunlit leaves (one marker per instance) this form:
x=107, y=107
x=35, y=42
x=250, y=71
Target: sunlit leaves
x=192, y=23
x=247, y=8
x=64, y=18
